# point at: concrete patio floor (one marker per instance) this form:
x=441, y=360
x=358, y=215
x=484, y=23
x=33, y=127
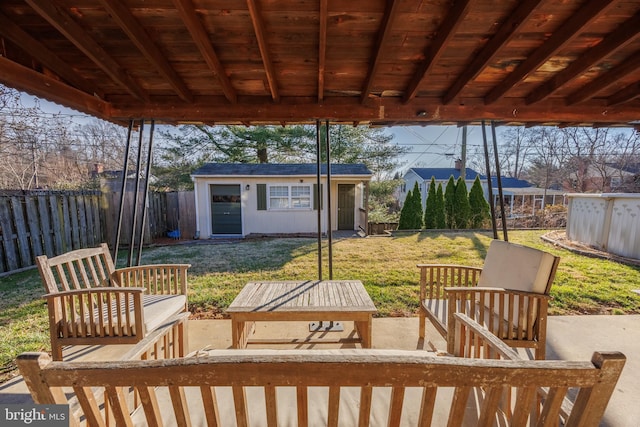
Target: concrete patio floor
x=569, y=338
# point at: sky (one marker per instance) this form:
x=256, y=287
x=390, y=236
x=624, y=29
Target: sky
x=435, y=146
x=429, y=146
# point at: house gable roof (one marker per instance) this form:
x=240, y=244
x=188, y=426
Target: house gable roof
x=443, y=174
x=509, y=182
x=279, y=169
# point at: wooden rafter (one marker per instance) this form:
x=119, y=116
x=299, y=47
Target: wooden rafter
x=626, y=94
x=40, y=53
x=383, y=35
x=322, y=47
x=258, y=27
x=563, y=35
x=491, y=48
x=35, y=83
x=619, y=38
x=136, y=33
x=592, y=88
x=382, y=110
x=68, y=27
x=201, y=39
x=436, y=48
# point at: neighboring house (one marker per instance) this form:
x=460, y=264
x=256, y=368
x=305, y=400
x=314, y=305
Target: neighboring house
x=517, y=193
x=609, y=178
x=423, y=177
x=260, y=198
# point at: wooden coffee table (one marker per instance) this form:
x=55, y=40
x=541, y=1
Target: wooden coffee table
x=330, y=300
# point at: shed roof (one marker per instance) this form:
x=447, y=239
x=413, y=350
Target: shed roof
x=279, y=169
x=376, y=62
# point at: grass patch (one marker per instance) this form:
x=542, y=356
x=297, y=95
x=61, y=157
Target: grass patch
x=385, y=265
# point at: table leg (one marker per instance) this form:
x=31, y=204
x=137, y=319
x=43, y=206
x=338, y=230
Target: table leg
x=240, y=331
x=364, y=330
x=238, y=334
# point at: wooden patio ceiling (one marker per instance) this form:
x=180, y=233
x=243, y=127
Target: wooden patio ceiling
x=376, y=62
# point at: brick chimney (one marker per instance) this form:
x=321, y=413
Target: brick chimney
x=458, y=164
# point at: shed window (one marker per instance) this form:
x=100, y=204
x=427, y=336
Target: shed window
x=289, y=197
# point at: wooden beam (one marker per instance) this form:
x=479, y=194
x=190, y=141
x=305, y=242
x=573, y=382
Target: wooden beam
x=566, y=32
x=379, y=110
x=258, y=27
x=201, y=39
x=322, y=47
x=504, y=34
x=43, y=55
x=37, y=84
x=626, y=67
x=68, y=27
x=136, y=33
x=383, y=35
x=624, y=95
x=435, y=50
x=619, y=38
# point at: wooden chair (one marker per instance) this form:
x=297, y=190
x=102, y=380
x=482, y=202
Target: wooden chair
x=90, y=302
x=509, y=295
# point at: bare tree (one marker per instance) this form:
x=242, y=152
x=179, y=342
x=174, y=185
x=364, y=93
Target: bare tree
x=514, y=150
x=44, y=150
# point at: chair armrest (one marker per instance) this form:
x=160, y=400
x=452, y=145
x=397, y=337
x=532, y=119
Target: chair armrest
x=470, y=335
x=157, y=279
x=97, y=292
x=96, y=312
x=491, y=290
x=434, y=277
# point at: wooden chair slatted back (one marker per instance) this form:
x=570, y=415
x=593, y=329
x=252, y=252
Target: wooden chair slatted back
x=79, y=269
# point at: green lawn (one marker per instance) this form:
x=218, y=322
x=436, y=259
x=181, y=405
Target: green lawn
x=386, y=266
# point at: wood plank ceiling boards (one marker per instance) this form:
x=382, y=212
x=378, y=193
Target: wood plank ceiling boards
x=369, y=62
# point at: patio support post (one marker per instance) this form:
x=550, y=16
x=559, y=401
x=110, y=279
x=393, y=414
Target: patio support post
x=329, y=225
x=489, y=184
x=123, y=189
x=463, y=162
x=134, y=220
x=146, y=192
x=499, y=178
x=319, y=199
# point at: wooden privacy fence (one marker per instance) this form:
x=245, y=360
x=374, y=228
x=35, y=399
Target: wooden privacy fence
x=47, y=223
x=54, y=222
x=166, y=212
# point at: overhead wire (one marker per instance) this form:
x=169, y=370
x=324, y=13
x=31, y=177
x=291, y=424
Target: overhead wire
x=429, y=145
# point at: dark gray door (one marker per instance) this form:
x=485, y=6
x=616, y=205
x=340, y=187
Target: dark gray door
x=226, y=211
x=346, y=206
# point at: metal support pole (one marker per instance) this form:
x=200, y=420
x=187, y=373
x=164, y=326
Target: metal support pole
x=319, y=198
x=329, y=225
x=489, y=183
x=136, y=197
x=123, y=190
x=321, y=326
x=146, y=192
x=463, y=156
x=499, y=177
